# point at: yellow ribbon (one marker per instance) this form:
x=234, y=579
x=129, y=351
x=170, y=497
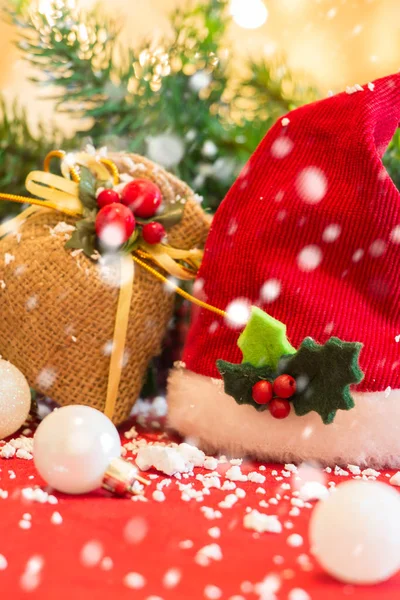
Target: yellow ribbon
x=62, y=194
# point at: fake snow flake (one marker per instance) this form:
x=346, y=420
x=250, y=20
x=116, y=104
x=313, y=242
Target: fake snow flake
x=106, y=563
x=395, y=235
x=235, y=474
x=377, y=248
x=313, y=490
x=135, y=530
x=24, y=524
x=268, y=587
x=46, y=378
x=30, y=578
x=260, y=490
x=158, y=496
x=340, y=472
x=295, y=540
x=210, y=513
x=311, y=185
x=209, y=149
x=298, y=594
x=281, y=147
x=212, y=592
x=166, y=149
x=199, y=81
x=2, y=284
x=210, y=463
x=134, y=581
x=186, y=544
x=352, y=89
x=240, y=493
x=21, y=453
x=171, y=578
x=291, y=468
x=371, y=473
x=309, y=258
x=354, y=470
x=131, y=433
x=256, y=477
x=56, y=518
x=228, y=486
x=166, y=460
x=331, y=233
x=371, y=86
x=8, y=258
x=214, y=532
x=229, y=501
x=261, y=522
x=285, y=122
x=7, y=451
x=207, y=554
x=234, y=461
x=191, y=455
x=91, y=553
x=3, y=562
x=238, y=313
x=395, y=480
x=270, y=291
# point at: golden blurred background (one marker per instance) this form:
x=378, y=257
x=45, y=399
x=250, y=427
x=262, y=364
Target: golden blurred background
x=335, y=42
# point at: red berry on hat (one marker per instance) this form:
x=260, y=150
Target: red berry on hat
x=284, y=386
x=153, y=233
x=115, y=224
x=107, y=196
x=262, y=392
x=279, y=408
x=143, y=197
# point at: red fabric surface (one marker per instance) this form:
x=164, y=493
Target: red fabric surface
x=265, y=222
x=247, y=557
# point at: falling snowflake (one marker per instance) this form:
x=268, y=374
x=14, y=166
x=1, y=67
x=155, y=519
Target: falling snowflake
x=311, y=185
x=238, y=313
x=271, y=290
x=309, y=258
x=331, y=233
x=281, y=147
x=377, y=248
x=166, y=149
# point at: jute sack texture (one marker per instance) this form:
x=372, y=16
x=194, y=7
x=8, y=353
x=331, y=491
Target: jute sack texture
x=58, y=309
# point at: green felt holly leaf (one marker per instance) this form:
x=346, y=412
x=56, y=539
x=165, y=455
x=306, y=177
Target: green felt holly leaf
x=84, y=237
x=87, y=188
x=264, y=340
x=323, y=375
x=240, y=379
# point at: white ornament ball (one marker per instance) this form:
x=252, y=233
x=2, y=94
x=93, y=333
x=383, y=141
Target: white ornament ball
x=166, y=149
x=355, y=533
x=73, y=446
x=15, y=399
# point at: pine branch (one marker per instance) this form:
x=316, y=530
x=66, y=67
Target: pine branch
x=21, y=151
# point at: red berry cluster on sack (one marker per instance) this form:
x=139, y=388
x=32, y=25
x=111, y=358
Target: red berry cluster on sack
x=120, y=213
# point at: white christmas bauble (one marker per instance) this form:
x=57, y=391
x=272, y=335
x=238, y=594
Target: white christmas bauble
x=15, y=399
x=73, y=446
x=166, y=149
x=355, y=533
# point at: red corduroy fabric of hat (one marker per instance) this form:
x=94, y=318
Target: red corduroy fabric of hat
x=310, y=233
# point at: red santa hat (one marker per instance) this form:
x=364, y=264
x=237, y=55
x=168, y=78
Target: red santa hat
x=309, y=233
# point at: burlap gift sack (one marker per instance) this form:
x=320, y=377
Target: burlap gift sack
x=58, y=308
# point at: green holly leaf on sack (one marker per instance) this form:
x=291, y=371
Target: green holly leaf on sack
x=240, y=379
x=264, y=340
x=132, y=243
x=323, y=376
x=84, y=237
x=171, y=216
x=87, y=189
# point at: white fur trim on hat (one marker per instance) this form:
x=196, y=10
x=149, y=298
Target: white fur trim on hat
x=367, y=435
